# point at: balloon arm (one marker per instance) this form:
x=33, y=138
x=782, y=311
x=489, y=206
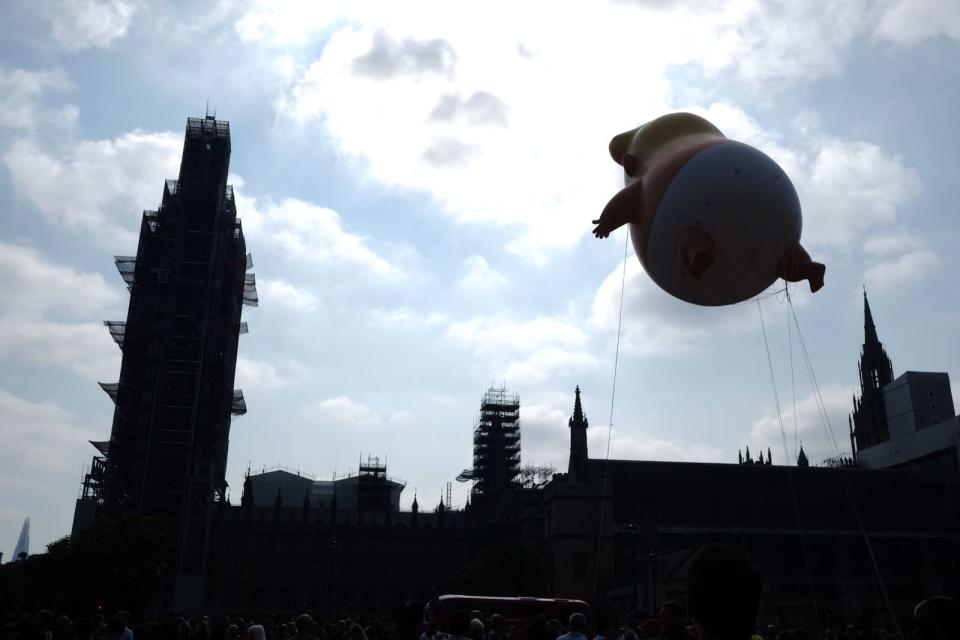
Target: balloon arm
x=796, y=265
x=624, y=207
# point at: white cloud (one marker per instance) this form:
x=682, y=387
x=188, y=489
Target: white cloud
x=544, y=433
x=33, y=286
x=906, y=270
x=258, y=375
x=498, y=333
x=288, y=22
x=20, y=100
x=776, y=41
x=96, y=187
x=546, y=363
x=86, y=24
x=891, y=243
x=907, y=22
x=847, y=187
x=283, y=293
x=38, y=296
x=533, y=350
x=344, y=411
x=546, y=439
x=315, y=235
x=83, y=348
x=477, y=276
x=627, y=444
x=406, y=318
x=44, y=449
x=654, y=322
x=38, y=438
x=544, y=165
x=850, y=188
x=388, y=57
x=811, y=428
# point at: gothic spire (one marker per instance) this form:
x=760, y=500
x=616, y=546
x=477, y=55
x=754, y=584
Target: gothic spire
x=577, y=466
x=577, y=407
x=876, y=371
x=869, y=329
x=802, y=458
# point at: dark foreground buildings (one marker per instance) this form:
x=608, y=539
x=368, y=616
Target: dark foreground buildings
x=859, y=539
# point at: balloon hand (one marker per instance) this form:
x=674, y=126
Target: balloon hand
x=624, y=207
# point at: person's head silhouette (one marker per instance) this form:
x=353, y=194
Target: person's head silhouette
x=723, y=591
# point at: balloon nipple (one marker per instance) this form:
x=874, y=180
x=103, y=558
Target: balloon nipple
x=698, y=263
x=696, y=250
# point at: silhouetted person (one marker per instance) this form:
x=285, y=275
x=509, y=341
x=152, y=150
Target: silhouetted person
x=650, y=629
x=304, y=628
x=723, y=591
x=937, y=618
x=477, y=629
x=498, y=628
x=554, y=629
x=115, y=629
x=671, y=622
x=606, y=629
x=537, y=628
x=407, y=618
x=577, y=629
x=256, y=632
x=459, y=625
x=84, y=629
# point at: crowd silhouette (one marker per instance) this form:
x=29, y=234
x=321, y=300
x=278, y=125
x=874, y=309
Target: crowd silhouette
x=722, y=602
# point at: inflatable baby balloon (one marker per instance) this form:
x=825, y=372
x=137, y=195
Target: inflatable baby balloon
x=713, y=221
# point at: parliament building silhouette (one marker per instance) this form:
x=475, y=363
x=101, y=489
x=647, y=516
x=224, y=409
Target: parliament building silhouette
x=859, y=538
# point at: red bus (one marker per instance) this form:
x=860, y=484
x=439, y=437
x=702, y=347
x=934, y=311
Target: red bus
x=517, y=611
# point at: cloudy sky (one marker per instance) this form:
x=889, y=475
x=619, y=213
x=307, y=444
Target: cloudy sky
x=416, y=182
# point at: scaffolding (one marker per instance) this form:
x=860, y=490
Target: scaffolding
x=238, y=406
x=373, y=486
x=250, y=298
x=117, y=329
x=496, y=446
x=111, y=389
x=174, y=400
x=536, y=476
x=126, y=265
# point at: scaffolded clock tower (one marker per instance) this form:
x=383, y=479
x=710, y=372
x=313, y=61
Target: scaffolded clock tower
x=167, y=453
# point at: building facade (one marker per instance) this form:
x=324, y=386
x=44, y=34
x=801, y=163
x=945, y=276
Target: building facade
x=850, y=541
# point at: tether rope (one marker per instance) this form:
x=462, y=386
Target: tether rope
x=848, y=490
x=787, y=463
x=613, y=395
x=793, y=383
